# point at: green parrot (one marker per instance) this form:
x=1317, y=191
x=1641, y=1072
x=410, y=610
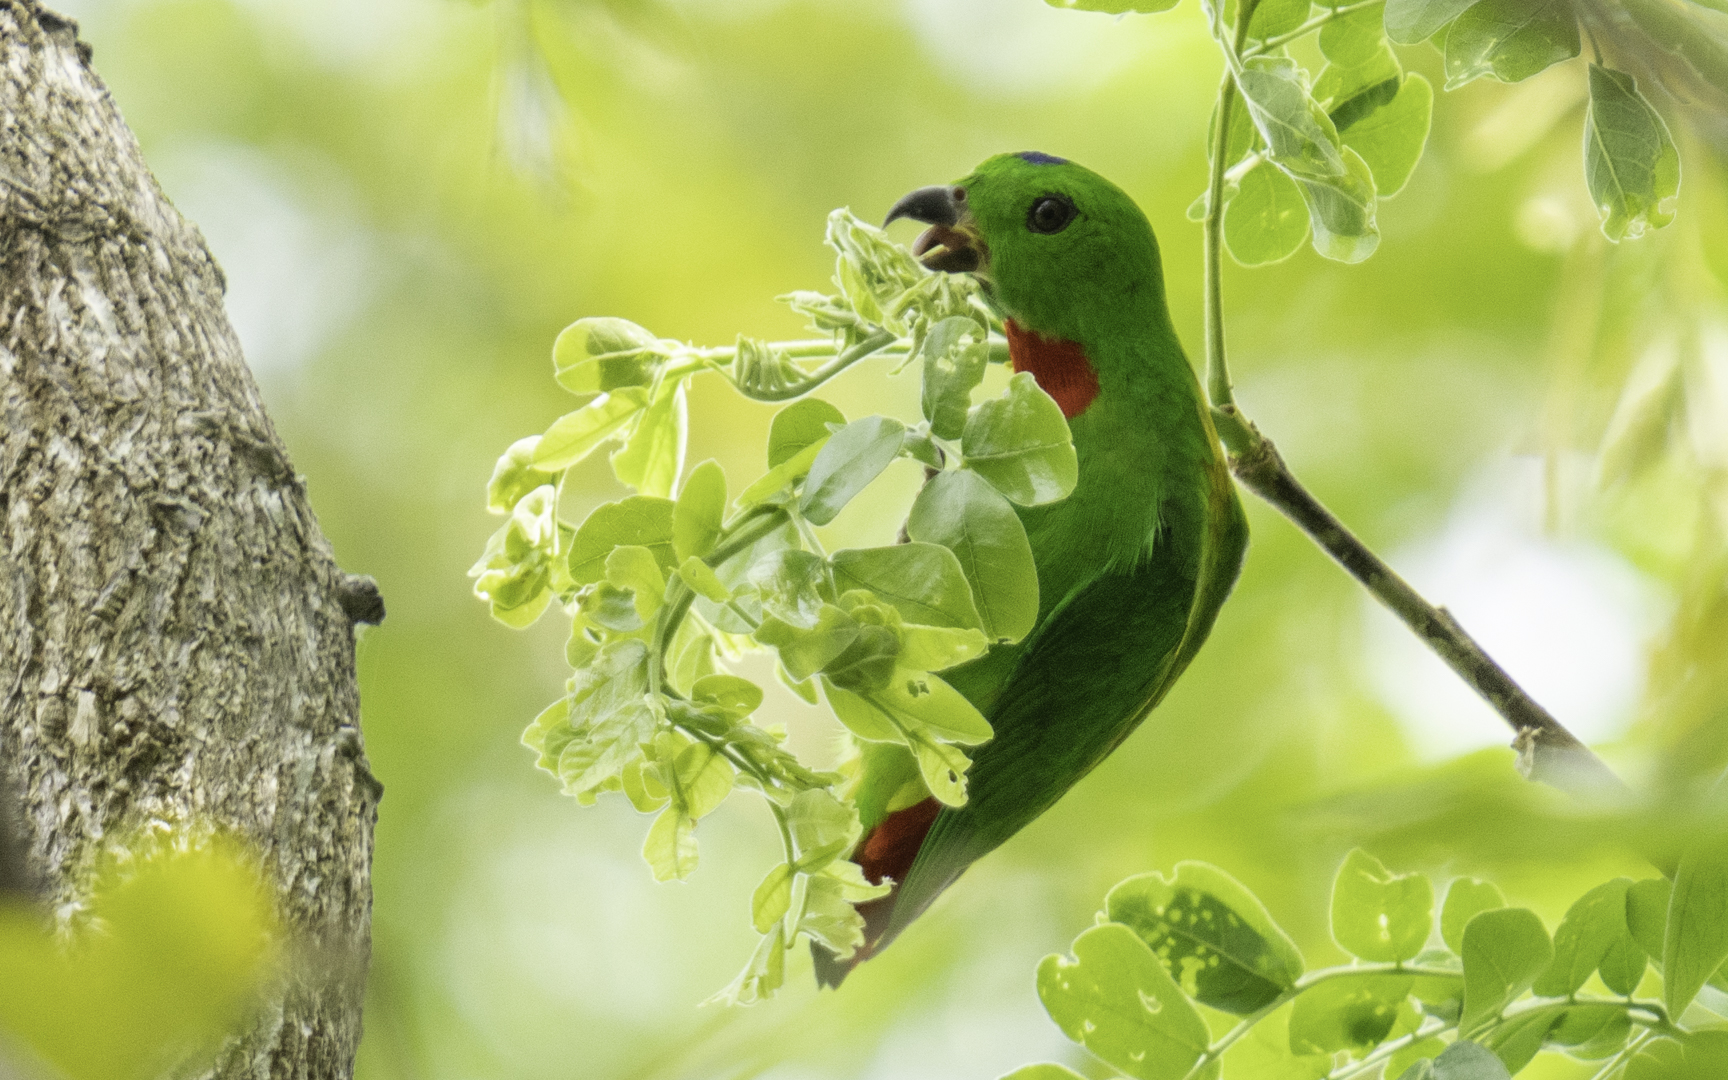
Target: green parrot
x=1132, y=566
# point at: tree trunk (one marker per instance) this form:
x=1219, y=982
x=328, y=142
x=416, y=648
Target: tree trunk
x=177, y=642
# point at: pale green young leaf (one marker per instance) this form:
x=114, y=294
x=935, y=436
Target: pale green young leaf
x=1274, y=18
x=1441, y=994
x=1391, y=137
x=821, y=827
x=1115, y=999
x=594, y=356
x=955, y=351
x=965, y=514
x=943, y=767
x=1697, y=41
x=1341, y=211
x=925, y=702
x=549, y=733
x=800, y=425
x=633, y=568
x=1510, y=40
x=643, y=788
x=1647, y=913
x=1399, y=1064
x=1115, y=7
x=1465, y=1060
x=1020, y=443
x=764, y=974
x=793, y=585
x=1348, y=1012
x=1591, y=1032
x=853, y=457
x=670, y=849
x=804, y=689
x=1356, y=38
x=781, y=476
x=690, y=657
x=607, y=607
x=736, y=695
x=938, y=648
x=1695, y=942
x=1298, y=134
x=700, y=512
x=1350, y=92
x=1411, y=21
x=1465, y=897
x=702, y=778
x=575, y=435
x=924, y=582
x=1504, y=951
x=1593, y=926
x=640, y=520
x=1264, y=1053
x=515, y=476
x=768, y=905
x=829, y=917
x=1267, y=220
x=806, y=650
x=702, y=580
x=599, y=752
x=1630, y=164
x=652, y=459
x=1378, y=915
x=868, y=663
x=1214, y=936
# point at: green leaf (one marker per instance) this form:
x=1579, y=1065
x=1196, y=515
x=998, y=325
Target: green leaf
x=671, y=846
x=820, y=823
x=1465, y=898
x=575, y=435
x=736, y=695
x=959, y=510
x=1695, y=943
x=1346, y=1012
x=942, y=766
x=1592, y=1032
x=1592, y=926
x=937, y=648
x=1044, y=1070
x=764, y=974
x=1115, y=999
x=856, y=455
x=955, y=351
x=1355, y=38
x=633, y=568
x=597, y=355
x=1675, y=29
x=702, y=580
x=1465, y=1060
x=1510, y=40
x=700, y=512
x=924, y=582
x=800, y=425
x=1391, y=137
x=1341, y=211
x=1274, y=18
x=1213, y=935
x=1411, y=21
x=653, y=457
x=924, y=702
x=1630, y=163
x=1267, y=220
x=862, y=718
x=1115, y=7
x=702, y=778
x=1378, y=915
x=1021, y=444
x=1504, y=951
x=515, y=476
x=1350, y=92
x=640, y=520
x=1399, y=1064
x=768, y=905
x=1518, y=1040
x=867, y=664
x=781, y=476
x=1647, y=913
x=1298, y=134
x=1623, y=965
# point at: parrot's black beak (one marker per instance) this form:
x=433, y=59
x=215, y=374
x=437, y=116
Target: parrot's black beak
x=951, y=243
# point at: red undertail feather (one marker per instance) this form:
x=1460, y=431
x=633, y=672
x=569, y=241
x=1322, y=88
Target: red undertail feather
x=886, y=854
x=1060, y=367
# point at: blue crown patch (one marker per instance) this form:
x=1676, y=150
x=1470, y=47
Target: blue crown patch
x=1033, y=157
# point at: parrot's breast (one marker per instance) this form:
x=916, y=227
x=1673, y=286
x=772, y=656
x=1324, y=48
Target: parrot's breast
x=1061, y=367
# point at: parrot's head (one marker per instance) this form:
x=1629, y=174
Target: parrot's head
x=1058, y=246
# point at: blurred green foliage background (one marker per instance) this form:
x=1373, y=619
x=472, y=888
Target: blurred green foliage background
x=411, y=198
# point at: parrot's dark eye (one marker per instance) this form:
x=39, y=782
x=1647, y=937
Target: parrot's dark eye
x=1050, y=214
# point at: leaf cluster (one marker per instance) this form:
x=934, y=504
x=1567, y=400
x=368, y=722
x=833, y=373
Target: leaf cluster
x=665, y=588
x=1471, y=989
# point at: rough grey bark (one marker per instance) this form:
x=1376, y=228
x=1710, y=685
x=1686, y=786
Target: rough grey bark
x=176, y=640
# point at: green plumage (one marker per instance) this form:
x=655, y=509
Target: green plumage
x=1134, y=564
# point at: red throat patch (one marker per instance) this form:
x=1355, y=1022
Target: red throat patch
x=1060, y=367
